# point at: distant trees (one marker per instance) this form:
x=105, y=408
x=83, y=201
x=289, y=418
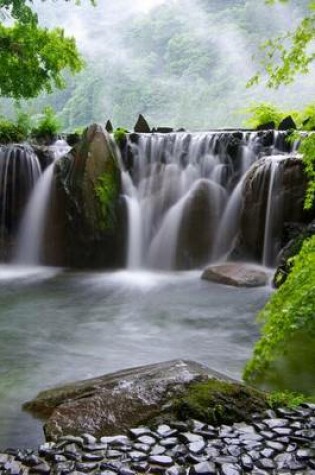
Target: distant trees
x=32, y=59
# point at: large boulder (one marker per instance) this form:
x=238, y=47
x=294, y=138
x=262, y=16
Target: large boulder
x=236, y=274
x=200, y=216
x=287, y=203
x=85, y=229
x=111, y=404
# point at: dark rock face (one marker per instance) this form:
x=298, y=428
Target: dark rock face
x=141, y=126
x=267, y=126
x=110, y=404
x=109, y=127
x=236, y=274
x=199, y=219
x=84, y=230
x=289, y=206
x=287, y=124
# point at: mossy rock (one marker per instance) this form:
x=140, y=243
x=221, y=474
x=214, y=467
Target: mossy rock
x=220, y=402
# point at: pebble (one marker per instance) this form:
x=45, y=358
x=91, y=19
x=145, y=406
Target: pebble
x=278, y=442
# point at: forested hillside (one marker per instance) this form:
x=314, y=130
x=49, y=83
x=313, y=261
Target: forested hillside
x=178, y=63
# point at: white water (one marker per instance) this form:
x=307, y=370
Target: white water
x=19, y=171
x=162, y=190
x=30, y=242
x=273, y=211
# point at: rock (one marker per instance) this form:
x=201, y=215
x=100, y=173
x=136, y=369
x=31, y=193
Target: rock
x=236, y=274
x=84, y=226
x=141, y=126
x=109, y=127
x=267, y=126
x=200, y=215
x=289, y=204
x=287, y=124
x=112, y=403
x=73, y=139
x=164, y=130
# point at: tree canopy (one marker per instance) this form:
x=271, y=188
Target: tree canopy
x=290, y=54
x=32, y=58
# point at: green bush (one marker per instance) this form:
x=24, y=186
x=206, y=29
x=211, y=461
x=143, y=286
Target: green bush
x=307, y=149
x=262, y=114
x=120, y=135
x=48, y=125
x=284, y=357
x=12, y=132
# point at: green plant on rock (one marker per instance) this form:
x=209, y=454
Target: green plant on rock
x=284, y=357
x=120, y=135
x=307, y=149
x=107, y=191
x=286, y=399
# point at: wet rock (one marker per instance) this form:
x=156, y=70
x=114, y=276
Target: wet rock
x=163, y=460
x=203, y=468
x=287, y=124
x=141, y=126
x=236, y=274
x=84, y=229
x=267, y=126
x=112, y=403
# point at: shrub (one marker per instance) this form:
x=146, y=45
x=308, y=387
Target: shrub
x=48, y=126
x=262, y=114
x=284, y=357
x=107, y=192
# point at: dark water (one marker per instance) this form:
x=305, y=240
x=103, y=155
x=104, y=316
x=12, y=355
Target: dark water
x=57, y=327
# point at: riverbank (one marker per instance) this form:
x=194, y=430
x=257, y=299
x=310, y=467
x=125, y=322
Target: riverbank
x=275, y=442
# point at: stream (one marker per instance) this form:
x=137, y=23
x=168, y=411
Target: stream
x=58, y=326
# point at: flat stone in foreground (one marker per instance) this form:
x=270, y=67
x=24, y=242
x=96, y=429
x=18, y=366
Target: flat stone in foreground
x=236, y=274
x=111, y=404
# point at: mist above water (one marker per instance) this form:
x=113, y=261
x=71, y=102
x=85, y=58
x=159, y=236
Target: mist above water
x=180, y=63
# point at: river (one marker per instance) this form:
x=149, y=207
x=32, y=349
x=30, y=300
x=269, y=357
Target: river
x=58, y=326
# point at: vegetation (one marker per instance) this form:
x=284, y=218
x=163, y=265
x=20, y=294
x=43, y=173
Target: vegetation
x=219, y=402
x=284, y=357
x=178, y=69
x=107, y=192
x=289, y=54
x=307, y=148
x=48, y=125
x=32, y=59
x=120, y=135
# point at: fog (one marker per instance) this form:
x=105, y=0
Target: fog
x=179, y=63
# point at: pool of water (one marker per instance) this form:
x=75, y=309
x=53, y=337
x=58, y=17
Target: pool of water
x=58, y=326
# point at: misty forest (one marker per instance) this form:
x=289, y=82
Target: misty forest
x=157, y=237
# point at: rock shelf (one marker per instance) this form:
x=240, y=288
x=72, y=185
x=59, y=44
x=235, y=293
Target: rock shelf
x=278, y=441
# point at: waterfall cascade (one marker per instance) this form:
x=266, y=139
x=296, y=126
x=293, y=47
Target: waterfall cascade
x=19, y=171
x=184, y=195
x=29, y=247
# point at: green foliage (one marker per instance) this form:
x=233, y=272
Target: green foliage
x=33, y=59
x=219, y=402
x=307, y=148
x=48, y=125
x=11, y=132
x=287, y=399
x=284, y=357
x=262, y=113
x=120, y=135
x=107, y=192
x=290, y=54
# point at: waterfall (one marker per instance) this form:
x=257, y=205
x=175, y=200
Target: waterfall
x=271, y=245
x=178, y=176
x=19, y=171
x=29, y=249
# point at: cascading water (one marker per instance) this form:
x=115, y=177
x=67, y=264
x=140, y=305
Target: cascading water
x=19, y=171
x=30, y=238
x=178, y=177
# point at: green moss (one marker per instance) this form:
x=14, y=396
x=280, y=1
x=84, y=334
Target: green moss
x=284, y=357
x=120, y=135
x=286, y=398
x=219, y=402
x=107, y=191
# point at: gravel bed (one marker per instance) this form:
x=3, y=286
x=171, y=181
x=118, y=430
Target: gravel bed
x=276, y=442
